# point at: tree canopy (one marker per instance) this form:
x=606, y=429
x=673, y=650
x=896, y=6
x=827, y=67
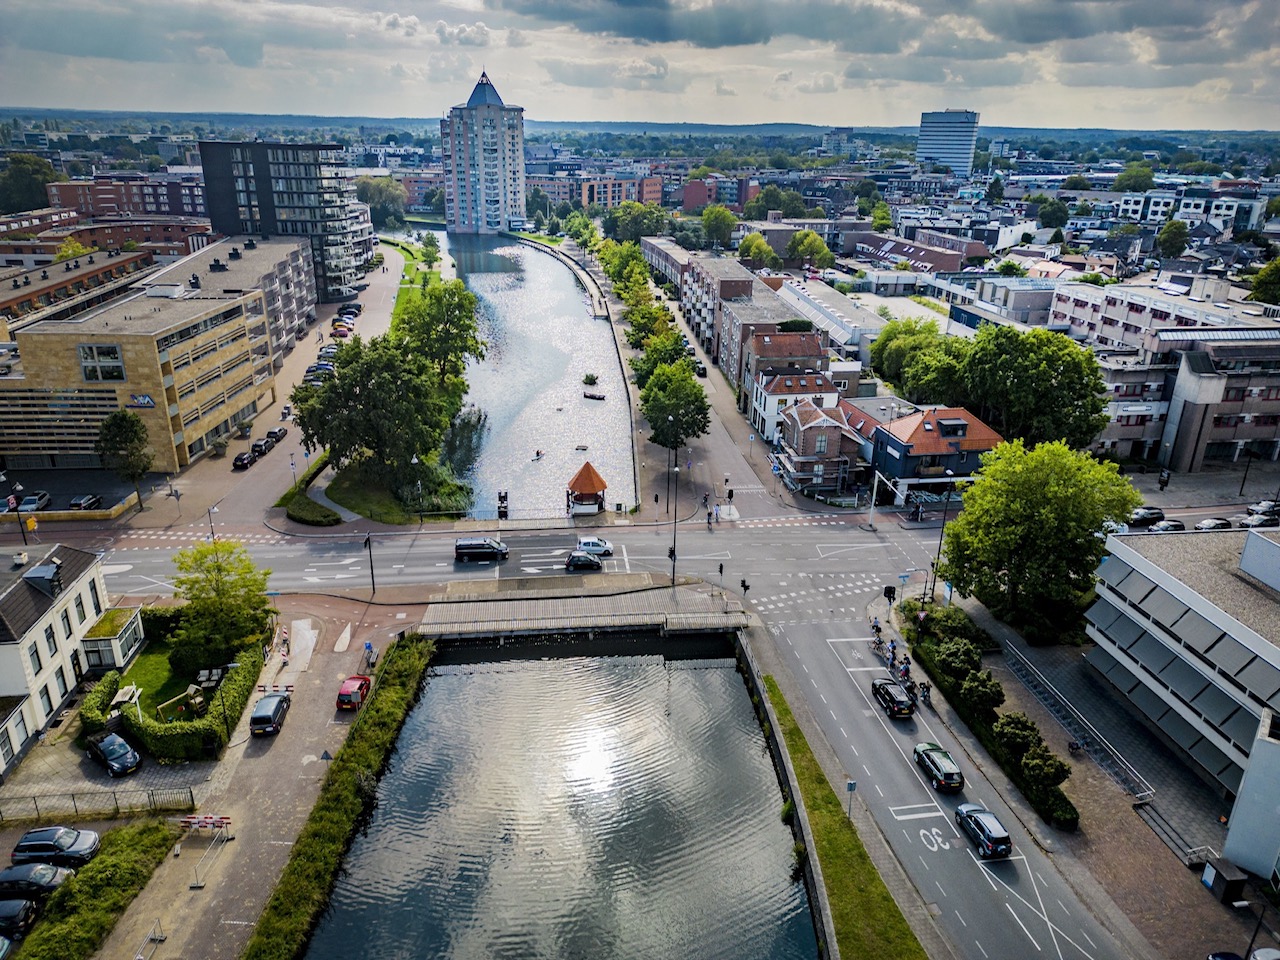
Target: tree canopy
x=718, y=223
x=1172, y=239
x=773, y=197
x=22, y=183
x=807, y=245
x=629, y=221
x=1027, y=538
x=386, y=198
x=756, y=248
x=673, y=392
x=439, y=326
x=881, y=217
x=1054, y=213
x=664, y=347
x=226, y=609
x=995, y=189
x=1136, y=178
x=1266, y=285
x=123, y=447
x=1077, y=181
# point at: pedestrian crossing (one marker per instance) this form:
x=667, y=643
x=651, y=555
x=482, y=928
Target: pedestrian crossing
x=144, y=540
x=812, y=520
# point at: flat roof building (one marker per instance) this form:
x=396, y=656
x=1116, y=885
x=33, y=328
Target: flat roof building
x=948, y=138
x=483, y=153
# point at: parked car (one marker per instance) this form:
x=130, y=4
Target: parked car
x=341, y=333
x=276, y=434
x=355, y=306
x=985, y=830
x=40, y=500
x=700, y=368
x=596, y=545
x=1214, y=523
x=1265, y=506
x=33, y=881
x=1261, y=520
x=583, y=561
x=1145, y=516
x=87, y=502
x=353, y=692
x=114, y=753
x=262, y=446
x=943, y=772
x=1167, y=526
x=6, y=947
x=60, y=846
x=17, y=917
x=327, y=351
x=269, y=713
x=243, y=461
x=892, y=698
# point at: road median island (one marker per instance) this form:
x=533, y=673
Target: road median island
x=867, y=921
x=346, y=800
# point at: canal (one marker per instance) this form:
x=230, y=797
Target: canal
x=566, y=807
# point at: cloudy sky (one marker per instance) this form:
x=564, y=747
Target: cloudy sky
x=1141, y=64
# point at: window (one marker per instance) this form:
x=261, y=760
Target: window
x=101, y=362
x=93, y=595
x=20, y=728
x=46, y=702
x=66, y=624
x=33, y=652
x=61, y=677
x=6, y=746
x=820, y=443
x=50, y=641
x=79, y=609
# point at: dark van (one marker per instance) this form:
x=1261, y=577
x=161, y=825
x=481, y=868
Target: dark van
x=467, y=549
x=268, y=714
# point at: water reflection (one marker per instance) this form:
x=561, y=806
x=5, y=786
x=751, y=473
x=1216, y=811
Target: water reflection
x=581, y=807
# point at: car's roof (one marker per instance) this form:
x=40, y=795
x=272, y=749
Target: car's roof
x=353, y=681
x=25, y=870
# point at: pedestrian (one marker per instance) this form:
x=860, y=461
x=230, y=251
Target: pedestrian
x=893, y=650
x=708, y=518
x=875, y=624
x=717, y=511
x=284, y=657
x=706, y=497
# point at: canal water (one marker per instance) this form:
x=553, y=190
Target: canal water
x=580, y=807
x=543, y=341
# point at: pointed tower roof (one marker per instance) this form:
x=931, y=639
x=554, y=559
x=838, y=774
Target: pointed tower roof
x=587, y=480
x=484, y=93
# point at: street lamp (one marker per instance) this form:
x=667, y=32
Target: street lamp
x=671, y=421
x=941, y=530
x=293, y=467
x=368, y=545
x=222, y=699
x=674, y=521
x=15, y=488
x=211, y=511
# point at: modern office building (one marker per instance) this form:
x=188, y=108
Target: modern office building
x=294, y=190
x=483, y=153
x=948, y=138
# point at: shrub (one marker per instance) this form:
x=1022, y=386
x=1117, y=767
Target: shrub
x=302, y=509
x=1017, y=734
x=161, y=623
x=982, y=693
x=958, y=658
x=1044, y=769
x=93, y=708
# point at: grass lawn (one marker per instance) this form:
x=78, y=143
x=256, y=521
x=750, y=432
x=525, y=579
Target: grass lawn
x=539, y=238
x=150, y=671
x=355, y=492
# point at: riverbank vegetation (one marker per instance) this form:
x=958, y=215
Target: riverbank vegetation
x=868, y=924
x=346, y=800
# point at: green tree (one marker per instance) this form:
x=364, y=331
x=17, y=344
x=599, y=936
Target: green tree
x=996, y=547
x=226, y=605
x=937, y=375
x=1083, y=209
x=1039, y=385
x=1172, y=239
x=1011, y=268
x=1136, y=178
x=645, y=322
x=957, y=657
x=663, y=348
x=1266, y=285
x=1017, y=733
x=673, y=392
x=71, y=248
x=537, y=202
x=807, y=245
x=756, y=248
x=1054, y=214
x=982, y=692
x=1273, y=207
x=881, y=217
x=123, y=448
x=1043, y=768
x=899, y=342
x=1124, y=230
x=386, y=198
x=631, y=221
x=1077, y=181
x=439, y=326
x=995, y=190
x=788, y=202
x=430, y=248
x=1058, y=236
x=22, y=184
x=718, y=223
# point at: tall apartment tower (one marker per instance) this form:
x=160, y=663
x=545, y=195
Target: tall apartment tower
x=948, y=137
x=292, y=190
x=483, y=151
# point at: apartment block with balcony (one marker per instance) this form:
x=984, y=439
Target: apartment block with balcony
x=167, y=238
x=64, y=289
x=295, y=190
x=135, y=194
x=667, y=260
x=709, y=282
x=483, y=154
x=606, y=190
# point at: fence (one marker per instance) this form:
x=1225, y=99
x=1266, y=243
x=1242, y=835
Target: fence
x=100, y=803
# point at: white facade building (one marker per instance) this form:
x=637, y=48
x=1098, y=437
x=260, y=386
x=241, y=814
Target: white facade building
x=483, y=153
x=948, y=137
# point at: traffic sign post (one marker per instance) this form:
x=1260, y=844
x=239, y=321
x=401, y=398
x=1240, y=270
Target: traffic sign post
x=849, y=787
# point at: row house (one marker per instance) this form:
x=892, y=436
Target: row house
x=35, y=221
x=1193, y=205
x=418, y=184
x=780, y=350
x=738, y=322
x=605, y=190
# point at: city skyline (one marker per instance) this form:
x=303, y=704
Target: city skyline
x=1132, y=64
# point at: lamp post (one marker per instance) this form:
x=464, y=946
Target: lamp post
x=15, y=488
x=671, y=426
x=211, y=511
x=222, y=699
x=674, y=520
x=293, y=467
x=941, y=530
x=368, y=545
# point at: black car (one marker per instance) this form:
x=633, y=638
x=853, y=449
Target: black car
x=112, y=752
x=262, y=447
x=60, y=846
x=942, y=771
x=244, y=461
x=17, y=917
x=581, y=560
x=892, y=698
x=700, y=368
x=33, y=881
x=1167, y=526
x=1214, y=523
x=1260, y=520
x=985, y=830
x=269, y=713
x=1145, y=516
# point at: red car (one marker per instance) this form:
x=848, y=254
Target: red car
x=353, y=692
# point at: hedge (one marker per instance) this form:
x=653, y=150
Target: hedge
x=93, y=708
x=162, y=622
x=302, y=509
x=346, y=799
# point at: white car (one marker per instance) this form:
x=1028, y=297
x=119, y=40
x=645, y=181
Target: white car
x=597, y=545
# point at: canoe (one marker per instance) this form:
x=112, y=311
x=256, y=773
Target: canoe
x=593, y=396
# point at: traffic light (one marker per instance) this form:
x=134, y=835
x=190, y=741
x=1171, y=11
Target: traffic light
x=890, y=592
x=722, y=569
x=671, y=553
x=745, y=586
x=731, y=496
x=655, y=498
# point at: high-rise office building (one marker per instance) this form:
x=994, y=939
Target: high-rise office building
x=948, y=138
x=293, y=190
x=483, y=152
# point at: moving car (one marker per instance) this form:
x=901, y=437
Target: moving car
x=40, y=500
x=60, y=846
x=17, y=917
x=1261, y=520
x=1145, y=516
x=596, y=545
x=353, y=692
x=479, y=549
x=985, y=830
x=943, y=772
x=583, y=561
x=87, y=502
x=276, y=434
x=268, y=714
x=1214, y=523
x=114, y=753
x=244, y=461
x=33, y=881
x=1265, y=506
x=1167, y=526
x=892, y=698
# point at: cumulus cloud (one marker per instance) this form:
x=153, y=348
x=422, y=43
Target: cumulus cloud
x=782, y=77
x=408, y=26
x=818, y=83
x=445, y=67
x=517, y=38
x=647, y=73
x=724, y=90
x=463, y=34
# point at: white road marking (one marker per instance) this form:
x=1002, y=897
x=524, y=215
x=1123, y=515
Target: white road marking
x=1021, y=924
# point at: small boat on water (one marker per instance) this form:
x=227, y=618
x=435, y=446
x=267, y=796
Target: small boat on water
x=581, y=446
x=538, y=455
x=592, y=396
